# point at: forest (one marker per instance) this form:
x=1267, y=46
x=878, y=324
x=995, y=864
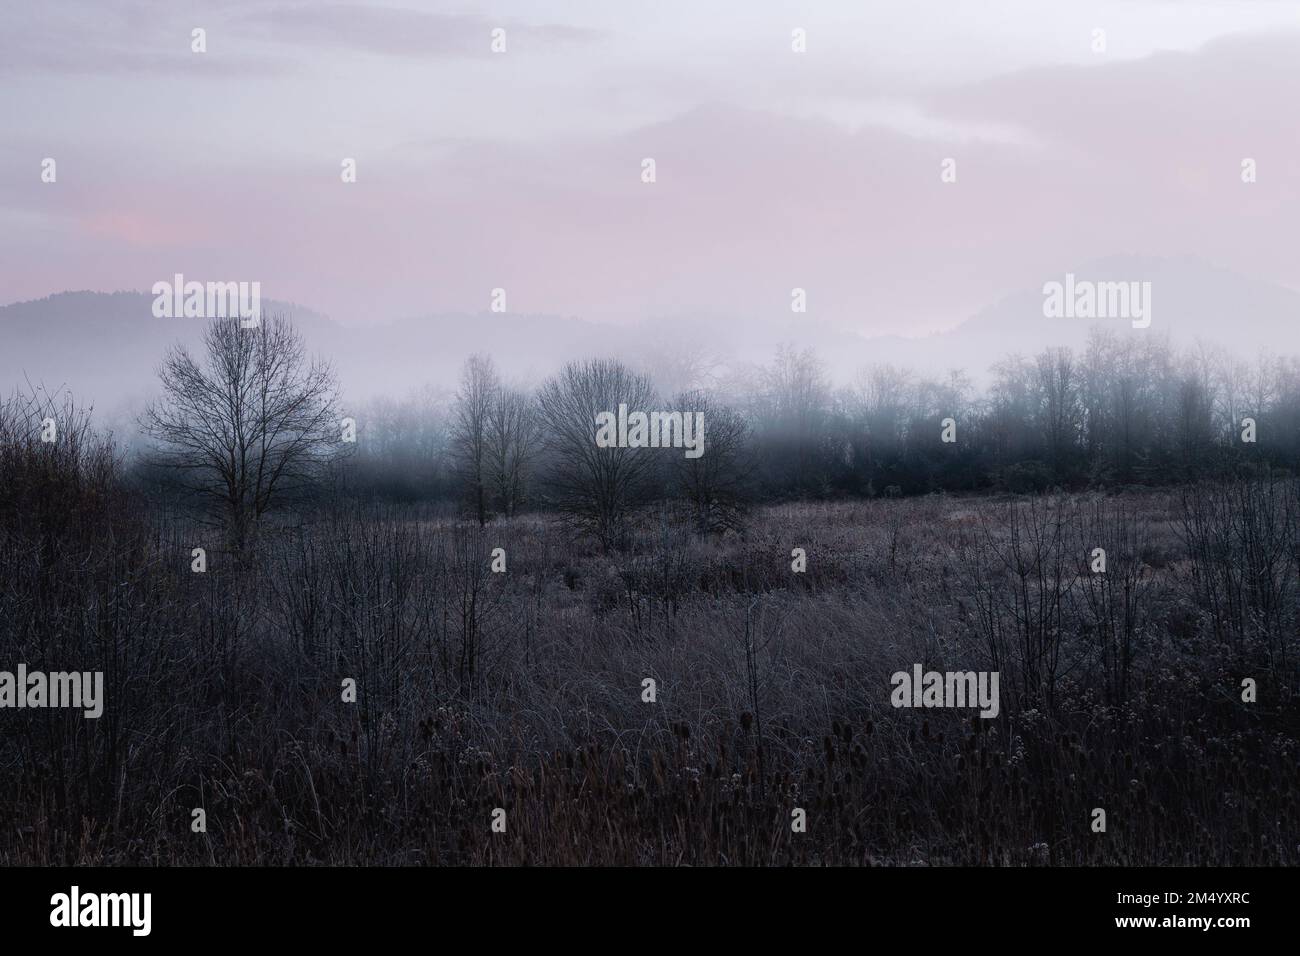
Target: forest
x=1115, y=415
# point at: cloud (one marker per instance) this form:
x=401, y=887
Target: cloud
x=123, y=37
x=1137, y=157
x=395, y=31
x=1231, y=87
x=87, y=37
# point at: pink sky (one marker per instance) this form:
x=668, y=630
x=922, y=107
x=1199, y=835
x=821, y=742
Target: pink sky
x=522, y=170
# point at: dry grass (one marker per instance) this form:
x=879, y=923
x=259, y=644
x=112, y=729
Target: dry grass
x=523, y=690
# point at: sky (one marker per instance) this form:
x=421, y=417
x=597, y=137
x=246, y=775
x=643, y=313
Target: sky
x=522, y=170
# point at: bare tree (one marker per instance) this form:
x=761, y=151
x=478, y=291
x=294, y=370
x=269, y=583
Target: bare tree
x=248, y=423
x=404, y=455
x=674, y=367
x=714, y=486
x=793, y=404
x=513, y=439
x=469, y=436
x=594, y=488
x=1059, y=414
x=1010, y=408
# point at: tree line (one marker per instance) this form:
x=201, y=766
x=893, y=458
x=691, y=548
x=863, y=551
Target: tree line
x=1113, y=413
x=253, y=422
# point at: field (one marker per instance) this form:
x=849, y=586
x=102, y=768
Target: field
x=524, y=689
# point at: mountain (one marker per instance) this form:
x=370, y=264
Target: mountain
x=1191, y=301
x=106, y=347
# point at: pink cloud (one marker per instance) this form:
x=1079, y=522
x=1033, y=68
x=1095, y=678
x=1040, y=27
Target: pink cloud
x=1139, y=157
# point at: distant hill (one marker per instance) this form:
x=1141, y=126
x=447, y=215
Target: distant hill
x=1192, y=301
x=106, y=347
